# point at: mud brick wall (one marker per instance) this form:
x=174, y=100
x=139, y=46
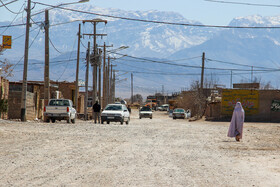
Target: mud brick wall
x=14, y=102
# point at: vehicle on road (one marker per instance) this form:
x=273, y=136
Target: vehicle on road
x=60, y=109
x=163, y=107
x=179, y=113
x=115, y=113
x=145, y=112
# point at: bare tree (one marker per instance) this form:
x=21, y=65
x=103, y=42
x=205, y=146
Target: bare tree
x=6, y=68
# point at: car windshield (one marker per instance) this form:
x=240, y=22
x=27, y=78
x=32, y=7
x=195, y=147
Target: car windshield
x=59, y=103
x=113, y=107
x=145, y=109
x=179, y=110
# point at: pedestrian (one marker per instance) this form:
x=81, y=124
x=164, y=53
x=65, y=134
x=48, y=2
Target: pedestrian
x=237, y=121
x=96, y=111
x=129, y=109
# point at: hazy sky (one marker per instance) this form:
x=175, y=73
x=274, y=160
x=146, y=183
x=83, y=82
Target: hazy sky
x=199, y=10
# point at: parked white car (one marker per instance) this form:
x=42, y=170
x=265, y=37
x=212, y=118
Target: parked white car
x=145, y=112
x=60, y=109
x=115, y=113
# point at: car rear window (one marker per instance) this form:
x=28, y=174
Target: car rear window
x=59, y=103
x=179, y=110
x=145, y=109
x=113, y=107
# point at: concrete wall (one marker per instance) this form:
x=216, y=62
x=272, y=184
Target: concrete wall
x=264, y=114
x=14, y=102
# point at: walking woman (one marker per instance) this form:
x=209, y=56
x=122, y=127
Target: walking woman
x=237, y=121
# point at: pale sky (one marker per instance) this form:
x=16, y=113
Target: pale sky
x=198, y=10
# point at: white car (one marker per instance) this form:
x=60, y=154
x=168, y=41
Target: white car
x=145, y=112
x=115, y=113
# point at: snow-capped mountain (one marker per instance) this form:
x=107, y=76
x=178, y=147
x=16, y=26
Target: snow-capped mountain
x=252, y=47
x=143, y=39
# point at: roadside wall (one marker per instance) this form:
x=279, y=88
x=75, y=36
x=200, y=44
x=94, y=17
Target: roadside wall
x=14, y=102
x=256, y=103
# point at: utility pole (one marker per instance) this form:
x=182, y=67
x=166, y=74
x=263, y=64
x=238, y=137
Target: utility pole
x=231, y=79
x=99, y=76
x=47, y=61
x=114, y=86
x=202, y=73
x=86, y=89
x=131, y=88
x=94, y=62
x=108, y=81
x=111, y=84
x=77, y=69
x=104, y=78
x=104, y=75
x=252, y=70
x=24, y=80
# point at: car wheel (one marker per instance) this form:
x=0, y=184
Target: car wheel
x=108, y=122
x=140, y=117
x=68, y=120
x=73, y=120
x=102, y=122
x=174, y=117
x=53, y=120
x=151, y=117
x=127, y=121
x=122, y=121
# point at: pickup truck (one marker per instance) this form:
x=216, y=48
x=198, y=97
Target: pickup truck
x=60, y=109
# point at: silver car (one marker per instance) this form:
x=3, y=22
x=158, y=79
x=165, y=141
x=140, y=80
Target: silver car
x=145, y=112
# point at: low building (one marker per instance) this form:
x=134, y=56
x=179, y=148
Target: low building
x=35, y=98
x=259, y=105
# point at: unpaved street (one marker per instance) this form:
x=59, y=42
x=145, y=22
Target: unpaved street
x=157, y=152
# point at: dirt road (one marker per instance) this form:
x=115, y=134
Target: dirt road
x=157, y=152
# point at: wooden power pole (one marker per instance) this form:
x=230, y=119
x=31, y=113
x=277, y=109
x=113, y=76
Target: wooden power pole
x=24, y=80
x=202, y=73
x=47, y=61
x=77, y=69
x=131, y=88
x=94, y=61
x=86, y=83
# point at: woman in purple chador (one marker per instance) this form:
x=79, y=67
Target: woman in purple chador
x=236, y=124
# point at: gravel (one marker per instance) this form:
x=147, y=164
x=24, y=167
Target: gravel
x=147, y=152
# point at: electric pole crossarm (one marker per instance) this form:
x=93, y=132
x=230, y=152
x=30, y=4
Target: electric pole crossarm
x=94, y=34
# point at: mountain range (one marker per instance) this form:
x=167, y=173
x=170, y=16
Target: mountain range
x=156, y=45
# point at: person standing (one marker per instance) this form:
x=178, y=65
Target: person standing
x=96, y=111
x=237, y=121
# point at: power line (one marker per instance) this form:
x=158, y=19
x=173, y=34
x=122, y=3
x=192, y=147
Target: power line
x=212, y=60
x=12, y=21
x=240, y=3
x=54, y=46
x=158, y=22
x=67, y=63
x=23, y=56
x=10, y=9
x=190, y=66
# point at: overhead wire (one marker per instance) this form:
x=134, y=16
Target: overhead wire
x=237, y=64
x=23, y=55
x=189, y=66
x=54, y=46
x=160, y=22
x=11, y=21
x=10, y=9
x=67, y=63
x=242, y=3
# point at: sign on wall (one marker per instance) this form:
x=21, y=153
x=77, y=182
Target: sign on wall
x=275, y=105
x=7, y=42
x=248, y=98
